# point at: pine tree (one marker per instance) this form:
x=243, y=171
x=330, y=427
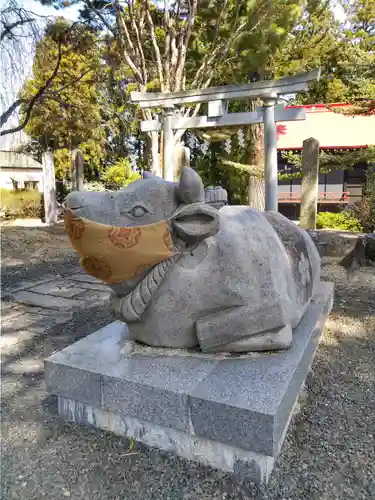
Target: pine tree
x=349, y=70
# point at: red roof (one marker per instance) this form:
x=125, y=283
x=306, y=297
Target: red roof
x=333, y=130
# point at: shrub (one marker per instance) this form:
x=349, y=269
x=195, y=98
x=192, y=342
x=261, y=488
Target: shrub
x=120, y=174
x=22, y=204
x=63, y=163
x=343, y=221
x=94, y=186
x=63, y=188
x=364, y=210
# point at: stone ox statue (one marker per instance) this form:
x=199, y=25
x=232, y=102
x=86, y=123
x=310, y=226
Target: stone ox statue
x=238, y=280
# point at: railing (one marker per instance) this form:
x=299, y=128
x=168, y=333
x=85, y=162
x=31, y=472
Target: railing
x=325, y=197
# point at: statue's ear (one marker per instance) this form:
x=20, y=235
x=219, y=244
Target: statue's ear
x=190, y=188
x=196, y=223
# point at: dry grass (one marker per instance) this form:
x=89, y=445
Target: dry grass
x=31, y=245
x=20, y=203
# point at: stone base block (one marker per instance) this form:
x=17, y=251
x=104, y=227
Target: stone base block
x=247, y=464
x=228, y=411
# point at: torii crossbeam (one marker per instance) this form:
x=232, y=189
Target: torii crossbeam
x=217, y=97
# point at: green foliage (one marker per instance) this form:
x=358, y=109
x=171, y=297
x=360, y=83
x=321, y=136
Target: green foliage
x=68, y=115
x=311, y=40
x=234, y=38
x=62, y=160
x=231, y=42
x=329, y=161
x=93, y=156
x=94, y=186
x=20, y=204
x=349, y=68
x=120, y=174
x=214, y=172
x=343, y=221
x=300, y=37
x=364, y=210
x=63, y=188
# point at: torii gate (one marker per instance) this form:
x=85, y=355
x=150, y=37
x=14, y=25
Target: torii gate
x=217, y=97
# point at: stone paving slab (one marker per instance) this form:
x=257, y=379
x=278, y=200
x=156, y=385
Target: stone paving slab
x=74, y=290
x=25, y=284
x=86, y=285
x=84, y=278
x=46, y=301
x=60, y=288
x=94, y=296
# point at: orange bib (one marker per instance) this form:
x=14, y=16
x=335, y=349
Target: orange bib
x=114, y=254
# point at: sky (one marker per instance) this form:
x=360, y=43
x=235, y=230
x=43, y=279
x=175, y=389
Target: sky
x=338, y=11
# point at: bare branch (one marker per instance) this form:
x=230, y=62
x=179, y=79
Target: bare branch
x=215, y=50
x=173, y=53
x=138, y=38
x=8, y=28
x=159, y=64
x=142, y=78
x=121, y=21
x=167, y=45
x=184, y=45
x=91, y=6
x=36, y=97
x=125, y=55
x=6, y=115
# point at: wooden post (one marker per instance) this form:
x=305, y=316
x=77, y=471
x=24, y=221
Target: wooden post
x=77, y=170
x=49, y=189
x=156, y=168
x=181, y=159
x=309, y=187
x=168, y=145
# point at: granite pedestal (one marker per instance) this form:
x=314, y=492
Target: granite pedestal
x=228, y=411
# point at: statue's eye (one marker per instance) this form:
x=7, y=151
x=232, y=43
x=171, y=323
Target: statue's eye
x=138, y=211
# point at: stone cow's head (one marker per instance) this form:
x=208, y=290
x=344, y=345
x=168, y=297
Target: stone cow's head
x=151, y=200
x=147, y=201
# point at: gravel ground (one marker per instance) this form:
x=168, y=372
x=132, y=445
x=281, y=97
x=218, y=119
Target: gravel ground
x=27, y=253
x=328, y=453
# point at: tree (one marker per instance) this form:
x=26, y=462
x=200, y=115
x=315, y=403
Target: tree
x=346, y=55
x=20, y=29
x=348, y=77
x=68, y=114
x=301, y=41
x=120, y=174
x=349, y=70
x=189, y=43
x=330, y=161
x=306, y=45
